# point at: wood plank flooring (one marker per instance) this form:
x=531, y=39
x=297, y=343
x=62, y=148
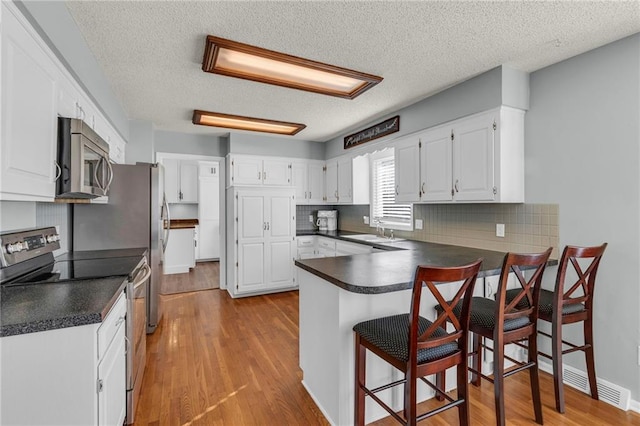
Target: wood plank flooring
x=205, y=276
x=220, y=361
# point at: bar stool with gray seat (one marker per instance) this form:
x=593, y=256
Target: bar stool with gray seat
x=571, y=302
x=506, y=322
x=419, y=347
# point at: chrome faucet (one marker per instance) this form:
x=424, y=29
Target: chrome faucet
x=379, y=226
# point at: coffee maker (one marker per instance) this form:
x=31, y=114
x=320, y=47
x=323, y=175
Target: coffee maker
x=327, y=220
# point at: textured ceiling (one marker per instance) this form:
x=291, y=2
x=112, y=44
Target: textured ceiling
x=151, y=52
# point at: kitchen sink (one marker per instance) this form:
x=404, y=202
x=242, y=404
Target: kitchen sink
x=372, y=238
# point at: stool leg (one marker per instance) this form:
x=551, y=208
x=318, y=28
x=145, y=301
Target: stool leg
x=463, y=393
x=441, y=384
x=410, y=397
x=591, y=364
x=498, y=380
x=360, y=369
x=532, y=345
x=476, y=359
x=556, y=351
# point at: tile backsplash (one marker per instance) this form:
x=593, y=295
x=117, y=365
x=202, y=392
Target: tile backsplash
x=528, y=227
x=56, y=214
x=303, y=213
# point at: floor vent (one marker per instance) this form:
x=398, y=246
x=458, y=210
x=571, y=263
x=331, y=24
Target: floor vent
x=608, y=392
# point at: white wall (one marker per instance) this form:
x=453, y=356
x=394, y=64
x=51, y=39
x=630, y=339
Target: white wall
x=582, y=152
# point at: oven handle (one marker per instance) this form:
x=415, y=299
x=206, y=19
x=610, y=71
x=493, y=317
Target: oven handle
x=147, y=273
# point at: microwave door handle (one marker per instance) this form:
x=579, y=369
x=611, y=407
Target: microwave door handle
x=110, y=174
x=95, y=174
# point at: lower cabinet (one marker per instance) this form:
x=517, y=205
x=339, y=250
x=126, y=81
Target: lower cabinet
x=68, y=376
x=263, y=238
x=180, y=254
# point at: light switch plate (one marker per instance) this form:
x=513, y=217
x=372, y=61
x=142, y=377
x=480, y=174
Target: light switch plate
x=311, y=218
x=500, y=230
x=418, y=223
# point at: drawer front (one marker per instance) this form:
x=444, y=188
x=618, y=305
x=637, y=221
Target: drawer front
x=327, y=243
x=112, y=323
x=305, y=241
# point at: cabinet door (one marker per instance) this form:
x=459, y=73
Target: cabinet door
x=316, y=183
x=189, y=181
x=29, y=115
x=246, y=171
x=172, y=179
x=331, y=182
x=251, y=241
x=473, y=159
x=208, y=198
x=276, y=172
x=435, y=156
x=345, y=180
x=209, y=239
x=280, y=232
x=299, y=174
x=112, y=383
x=407, y=170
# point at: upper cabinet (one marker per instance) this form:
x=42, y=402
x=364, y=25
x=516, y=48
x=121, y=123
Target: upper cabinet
x=474, y=159
x=180, y=180
x=254, y=170
x=307, y=178
x=29, y=112
x=36, y=89
x=347, y=180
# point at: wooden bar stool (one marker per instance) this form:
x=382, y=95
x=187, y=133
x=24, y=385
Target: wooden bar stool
x=419, y=347
x=507, y=322
x=569, y=304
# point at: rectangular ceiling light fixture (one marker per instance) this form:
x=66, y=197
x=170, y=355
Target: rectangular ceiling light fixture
x=241, y=60
x=216, y=119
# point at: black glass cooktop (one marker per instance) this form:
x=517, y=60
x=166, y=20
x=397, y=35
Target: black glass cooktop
x=66, y=270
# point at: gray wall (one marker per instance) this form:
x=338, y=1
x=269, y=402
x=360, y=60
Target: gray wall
x=54, y=23
x=244, y=143
x=185, y=143
x=491, y=89
x=141, y=142
x=582, y=152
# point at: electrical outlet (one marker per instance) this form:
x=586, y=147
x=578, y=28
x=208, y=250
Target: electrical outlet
x=500, y=230
x=418, y=223
x=311, y=218
x=365, y=219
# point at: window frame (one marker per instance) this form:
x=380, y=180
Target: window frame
x=387, y=223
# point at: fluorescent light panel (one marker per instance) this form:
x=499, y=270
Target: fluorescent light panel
x=240, y=60
x=216, y=119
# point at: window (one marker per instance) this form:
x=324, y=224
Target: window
x=383, y=194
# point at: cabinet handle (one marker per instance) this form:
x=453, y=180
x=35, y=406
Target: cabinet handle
x=259, y=175
x=264, y=226
x=120, y=321
x=267, y=226
x=422, y=188
x=305, y=195
x=456, y=186
x=264, y=175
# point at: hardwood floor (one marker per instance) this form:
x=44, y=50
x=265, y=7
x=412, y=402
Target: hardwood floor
x=205, y=276
x=220, y=361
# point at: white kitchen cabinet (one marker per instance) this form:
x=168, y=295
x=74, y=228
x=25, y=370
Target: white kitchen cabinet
x=407, y=169
x=479, y=158
x=81, y=380
x=347, y=180
x=345, y=248
x=180, y=254
x=208, y=241
x=264, y=236
x=29, y=85
x=326, y=247
x=254, y=170
x=307, y=178
x=180, y=180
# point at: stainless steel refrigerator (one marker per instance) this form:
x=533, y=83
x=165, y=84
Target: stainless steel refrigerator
x=133, y=217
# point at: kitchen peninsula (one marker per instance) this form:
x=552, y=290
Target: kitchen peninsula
x=336, y=293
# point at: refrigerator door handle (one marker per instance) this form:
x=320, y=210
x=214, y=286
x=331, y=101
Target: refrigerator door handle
x=165, y=240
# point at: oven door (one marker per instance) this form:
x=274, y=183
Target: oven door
x=136, y=334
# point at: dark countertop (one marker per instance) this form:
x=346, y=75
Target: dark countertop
x=393, y=270
x=32, y=308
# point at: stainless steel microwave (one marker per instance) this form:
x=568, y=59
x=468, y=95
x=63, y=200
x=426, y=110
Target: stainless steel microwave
x=83, y=158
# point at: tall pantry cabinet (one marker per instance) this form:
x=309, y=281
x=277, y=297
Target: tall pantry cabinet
x=261, y=239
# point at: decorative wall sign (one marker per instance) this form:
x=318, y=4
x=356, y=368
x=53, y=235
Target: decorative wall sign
x=385, y=128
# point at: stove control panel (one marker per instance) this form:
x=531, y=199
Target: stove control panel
x=18, y=246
